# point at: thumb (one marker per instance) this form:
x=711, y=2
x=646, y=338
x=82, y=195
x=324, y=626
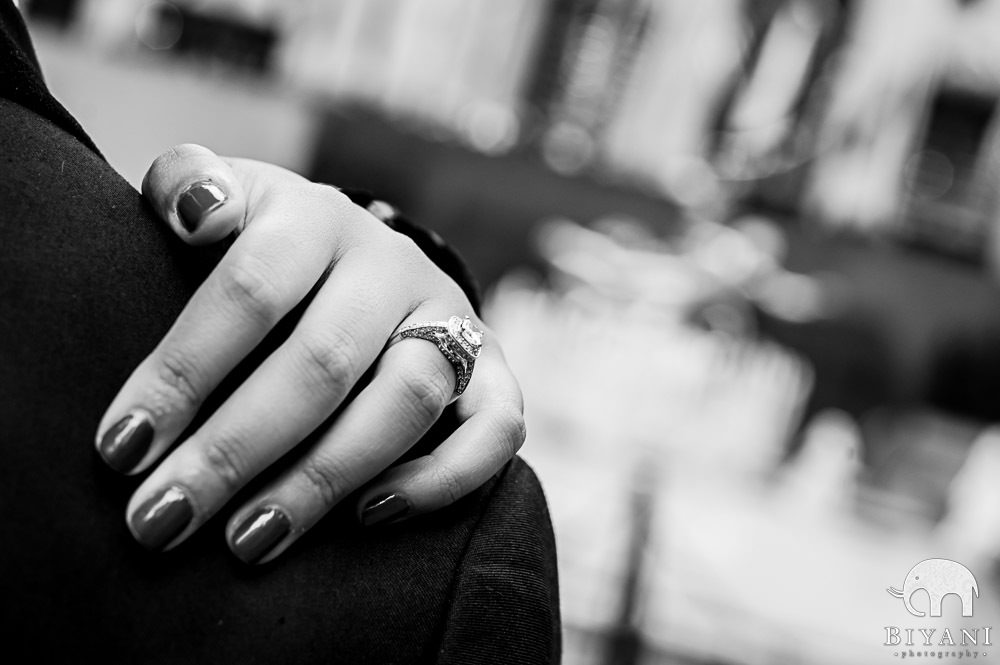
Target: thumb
x=196, y=193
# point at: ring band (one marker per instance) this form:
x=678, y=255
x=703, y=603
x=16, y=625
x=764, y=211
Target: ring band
x=458, y=340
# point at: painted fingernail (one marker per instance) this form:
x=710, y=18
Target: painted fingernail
x=259, y=533
x=197, y=201
x=162, y=518
x=127, y=442
x=384, y=507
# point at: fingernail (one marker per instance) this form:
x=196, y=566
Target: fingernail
x=124, y=445
x=162, y=518
x=384, y=507
x=197, y=201
x=259, y=533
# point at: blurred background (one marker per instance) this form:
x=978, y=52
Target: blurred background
x=743, y=256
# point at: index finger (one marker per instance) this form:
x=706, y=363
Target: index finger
x=268, y=270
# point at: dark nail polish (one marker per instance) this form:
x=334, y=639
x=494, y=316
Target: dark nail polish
x=197, y=201
x=124, y=445
x=259, y=533
x=383, y=508
x=162, y=518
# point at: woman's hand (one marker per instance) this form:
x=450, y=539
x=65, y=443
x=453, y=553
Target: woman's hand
x=296, y=238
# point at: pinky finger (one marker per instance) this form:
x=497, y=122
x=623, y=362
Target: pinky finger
x=473, y=453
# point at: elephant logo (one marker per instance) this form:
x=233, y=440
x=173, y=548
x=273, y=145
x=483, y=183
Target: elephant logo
x=939, y=578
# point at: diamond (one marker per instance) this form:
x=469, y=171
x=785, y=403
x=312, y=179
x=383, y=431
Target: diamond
x=471, y=334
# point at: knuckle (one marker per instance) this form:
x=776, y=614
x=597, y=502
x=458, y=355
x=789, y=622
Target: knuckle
x=416, y=262
x=226, y=458
x=331, y=360
x=178, y=372
x=177, y=153
x=520, y=429
x=182, y=150
x=405, y=247
x=407, y=266
x=426, y=393
x=408, y=258
x=333, y=204
x=163, y=160
x=509, y=429
x=450, y=482
x=328, y=479
x=325, y=196
x=245, y=283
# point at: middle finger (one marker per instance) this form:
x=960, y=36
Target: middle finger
x=292, y=392
x=411, y=387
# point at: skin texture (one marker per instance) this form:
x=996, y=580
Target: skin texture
x=298, y=240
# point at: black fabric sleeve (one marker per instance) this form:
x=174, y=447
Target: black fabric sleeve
x=21, y=78
x=517, y=580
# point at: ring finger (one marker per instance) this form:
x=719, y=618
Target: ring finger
x=412, y=385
